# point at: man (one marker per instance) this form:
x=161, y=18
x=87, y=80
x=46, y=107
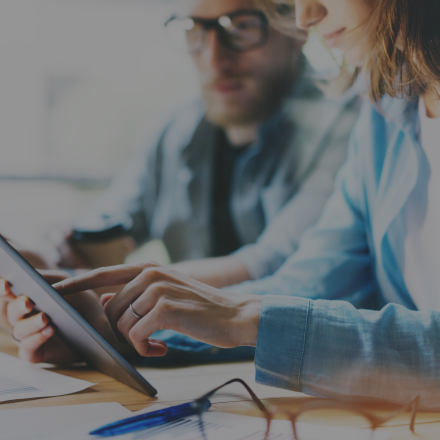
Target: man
x=221, y=172
x=211, y=178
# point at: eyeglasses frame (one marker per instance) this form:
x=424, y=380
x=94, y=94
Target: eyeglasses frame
x=374, y=420
x=214, y=24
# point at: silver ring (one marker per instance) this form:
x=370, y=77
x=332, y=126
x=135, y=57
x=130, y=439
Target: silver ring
x=134, y=313
x=11, y=332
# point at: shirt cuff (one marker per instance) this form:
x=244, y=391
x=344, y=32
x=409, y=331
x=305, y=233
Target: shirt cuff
x=281, y=341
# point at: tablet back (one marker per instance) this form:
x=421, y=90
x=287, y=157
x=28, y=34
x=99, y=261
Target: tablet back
x=69, y=323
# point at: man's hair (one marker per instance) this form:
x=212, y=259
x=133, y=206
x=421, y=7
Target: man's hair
x=404, y=59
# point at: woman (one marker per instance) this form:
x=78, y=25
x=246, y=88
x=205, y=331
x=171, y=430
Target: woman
x=375, y=243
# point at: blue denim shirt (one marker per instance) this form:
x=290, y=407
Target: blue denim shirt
x=355, y=253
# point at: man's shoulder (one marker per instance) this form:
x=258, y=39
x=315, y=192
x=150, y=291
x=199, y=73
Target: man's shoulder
x=186, y=115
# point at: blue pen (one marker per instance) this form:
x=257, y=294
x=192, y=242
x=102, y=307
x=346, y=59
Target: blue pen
x=151, y=419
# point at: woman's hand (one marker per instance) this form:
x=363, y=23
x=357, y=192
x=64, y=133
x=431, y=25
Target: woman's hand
x=6, y=296
x=36, y=337
x=32, y=331
x=166, y=299
x=36, y=260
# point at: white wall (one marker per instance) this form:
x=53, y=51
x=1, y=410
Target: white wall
x=78, y=81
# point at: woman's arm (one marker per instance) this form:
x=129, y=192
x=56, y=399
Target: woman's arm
x=331, y=349
x=324, y=348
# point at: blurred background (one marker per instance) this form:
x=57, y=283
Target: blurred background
x=80, y=80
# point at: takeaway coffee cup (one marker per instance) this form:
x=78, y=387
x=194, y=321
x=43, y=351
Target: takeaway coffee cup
x=101, y=240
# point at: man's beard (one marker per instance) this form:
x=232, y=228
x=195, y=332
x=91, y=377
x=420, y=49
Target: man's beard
x=265, y=100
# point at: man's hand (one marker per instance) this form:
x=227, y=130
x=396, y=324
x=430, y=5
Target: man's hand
x=166, y=299
x=67, y=256
x=34, y=258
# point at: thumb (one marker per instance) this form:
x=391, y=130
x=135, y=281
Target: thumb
x=106, y=297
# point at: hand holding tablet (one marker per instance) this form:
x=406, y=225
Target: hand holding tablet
x=70, y=326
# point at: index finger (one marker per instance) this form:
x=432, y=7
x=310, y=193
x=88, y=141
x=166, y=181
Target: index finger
x=102, y=277
x=53, y=276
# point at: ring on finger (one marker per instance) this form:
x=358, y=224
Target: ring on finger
x=11, y=332
x=134, y=313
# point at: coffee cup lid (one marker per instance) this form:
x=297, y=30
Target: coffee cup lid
x=103, y=227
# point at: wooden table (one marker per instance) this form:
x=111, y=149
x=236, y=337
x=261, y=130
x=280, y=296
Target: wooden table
x=182, y=384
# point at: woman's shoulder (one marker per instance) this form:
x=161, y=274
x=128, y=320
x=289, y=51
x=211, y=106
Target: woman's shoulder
x=379, y=122
x=377, y=130
x=394, y=113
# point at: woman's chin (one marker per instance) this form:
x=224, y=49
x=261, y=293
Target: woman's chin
x=355, y=57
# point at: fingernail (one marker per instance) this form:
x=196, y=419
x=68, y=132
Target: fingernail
x=24, y=306
x=39, y=320
x=47, y=331
x=5, y=287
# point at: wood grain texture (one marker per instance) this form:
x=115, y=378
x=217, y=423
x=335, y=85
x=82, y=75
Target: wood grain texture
x=185, y=383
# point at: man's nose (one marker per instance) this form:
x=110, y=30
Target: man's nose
x=214, y=54
x=309, y=13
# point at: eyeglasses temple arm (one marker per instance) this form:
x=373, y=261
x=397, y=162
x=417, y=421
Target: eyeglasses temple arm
x=258, y=402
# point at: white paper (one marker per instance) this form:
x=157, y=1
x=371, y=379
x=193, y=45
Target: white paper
x=222, y=426
x=75, y=422
x=22, y=380
x=58, y=423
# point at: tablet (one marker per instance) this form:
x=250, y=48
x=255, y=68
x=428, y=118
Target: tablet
x=71, y=326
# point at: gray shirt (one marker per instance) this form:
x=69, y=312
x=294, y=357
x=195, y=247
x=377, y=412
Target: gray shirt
x=288, y=172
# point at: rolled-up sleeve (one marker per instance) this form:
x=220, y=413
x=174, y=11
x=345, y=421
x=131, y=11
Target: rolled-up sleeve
x=281, y=338
x=331, y=349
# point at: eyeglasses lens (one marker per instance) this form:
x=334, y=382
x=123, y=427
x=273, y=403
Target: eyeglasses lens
x=240, y=32
x=245, y=32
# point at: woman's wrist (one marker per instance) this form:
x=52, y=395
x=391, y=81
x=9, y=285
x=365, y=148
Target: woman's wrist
x=249, y=320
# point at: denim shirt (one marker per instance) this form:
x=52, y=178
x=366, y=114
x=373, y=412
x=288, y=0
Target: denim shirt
x=355, y=253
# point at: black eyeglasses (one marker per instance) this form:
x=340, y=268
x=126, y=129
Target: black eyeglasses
x=305, y=416
x=239, y=31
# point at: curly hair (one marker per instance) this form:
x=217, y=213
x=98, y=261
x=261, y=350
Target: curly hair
x=404, y=58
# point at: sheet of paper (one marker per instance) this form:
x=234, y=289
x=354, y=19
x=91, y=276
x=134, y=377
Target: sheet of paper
x=21, y=380
x=61, y=422
x=221, y=426
x=189, y=383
